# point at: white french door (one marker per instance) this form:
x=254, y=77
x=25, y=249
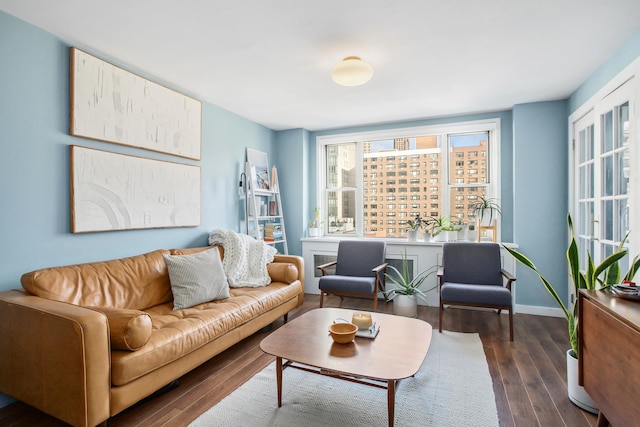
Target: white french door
x=603, y=166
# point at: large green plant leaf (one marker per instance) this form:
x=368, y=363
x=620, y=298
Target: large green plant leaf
x=604, y=275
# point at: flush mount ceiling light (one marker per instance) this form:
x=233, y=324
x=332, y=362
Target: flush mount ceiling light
x=351, y=71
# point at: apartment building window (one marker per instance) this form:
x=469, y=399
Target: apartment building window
x=439, y=159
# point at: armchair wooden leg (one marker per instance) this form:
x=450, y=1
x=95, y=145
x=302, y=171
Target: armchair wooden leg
x=440, y=318
x=375, y=301
x=321, y=298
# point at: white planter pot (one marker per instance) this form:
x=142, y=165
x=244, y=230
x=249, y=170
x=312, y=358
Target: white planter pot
x=314, y=232
x=463, y=233
x=412, y=235
x=440, y=237
x=405, y=305
x=426, y=236
x=451, y=236
x=487, y=220
x=472, y=235
x=576, y=392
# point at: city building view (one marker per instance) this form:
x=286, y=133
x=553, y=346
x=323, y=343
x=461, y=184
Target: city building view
x=403, y=178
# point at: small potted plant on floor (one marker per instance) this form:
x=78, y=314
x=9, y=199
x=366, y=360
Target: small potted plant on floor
x=602, y=276
x=407, y=290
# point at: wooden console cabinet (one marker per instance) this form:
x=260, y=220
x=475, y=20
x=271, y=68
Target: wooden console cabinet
x=609, y=356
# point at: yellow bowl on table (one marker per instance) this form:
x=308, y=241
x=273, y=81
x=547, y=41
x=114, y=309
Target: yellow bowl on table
x=343, y=333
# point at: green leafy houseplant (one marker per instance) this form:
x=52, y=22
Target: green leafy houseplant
x=443, y=223
x=602, y=276
x=415, y=224
x=485, y=207
x=405, y=285
x=315, y=221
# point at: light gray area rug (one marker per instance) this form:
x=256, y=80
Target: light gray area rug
x=452, y=388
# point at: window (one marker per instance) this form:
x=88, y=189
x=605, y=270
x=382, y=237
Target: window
x=441, y=162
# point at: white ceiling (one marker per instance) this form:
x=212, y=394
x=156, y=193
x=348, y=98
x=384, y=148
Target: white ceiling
x=270, y=61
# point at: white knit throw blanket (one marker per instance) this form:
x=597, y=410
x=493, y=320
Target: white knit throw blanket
x=245, y=258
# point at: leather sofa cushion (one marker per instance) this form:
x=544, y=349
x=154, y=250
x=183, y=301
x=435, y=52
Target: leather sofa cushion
x=177, y=333
x=282, y=272
x=136, y=283
x=128, y=329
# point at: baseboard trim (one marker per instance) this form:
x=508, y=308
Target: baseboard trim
x=538, y=310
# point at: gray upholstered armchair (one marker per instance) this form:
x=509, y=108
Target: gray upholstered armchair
x=472, y=275
x=360, y=269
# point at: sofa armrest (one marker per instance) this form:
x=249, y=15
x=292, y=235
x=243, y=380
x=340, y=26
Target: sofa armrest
x=298, y=261
x=56, y=357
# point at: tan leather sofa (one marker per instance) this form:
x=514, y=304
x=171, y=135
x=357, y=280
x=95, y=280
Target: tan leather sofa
x=68, y=340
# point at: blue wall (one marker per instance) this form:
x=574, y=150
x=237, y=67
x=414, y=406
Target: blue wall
x=541, y=201
x=34, y=165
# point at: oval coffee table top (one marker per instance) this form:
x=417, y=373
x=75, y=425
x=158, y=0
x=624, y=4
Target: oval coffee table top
x=396, y=352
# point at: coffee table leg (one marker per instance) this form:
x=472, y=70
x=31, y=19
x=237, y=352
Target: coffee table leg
x=279, y=379
x=391, y=400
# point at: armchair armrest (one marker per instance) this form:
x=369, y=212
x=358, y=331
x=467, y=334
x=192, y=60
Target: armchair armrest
x=380, y=268
x=56, y=357
x=510, y=278
x=324, y=267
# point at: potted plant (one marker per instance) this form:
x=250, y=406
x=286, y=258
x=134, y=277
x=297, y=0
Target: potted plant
x=444, y=230
x=407, y=290
x=414, y=225
x=314, y=224
x=602, y=276
x=427, y=227
x=485, y=210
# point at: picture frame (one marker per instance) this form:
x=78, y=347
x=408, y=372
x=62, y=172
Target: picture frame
x=111, y=104
x=112, y=191
x=259, y=167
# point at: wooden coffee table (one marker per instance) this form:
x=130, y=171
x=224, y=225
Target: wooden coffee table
x=397, y=352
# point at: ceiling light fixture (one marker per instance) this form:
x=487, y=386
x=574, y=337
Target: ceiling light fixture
x=351, y=71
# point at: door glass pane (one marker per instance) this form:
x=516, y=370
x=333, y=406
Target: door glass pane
x=607, y=176
x=607, y=131
x=622, y=139
x=622, y=212
x=607, y=220
x=622, y=182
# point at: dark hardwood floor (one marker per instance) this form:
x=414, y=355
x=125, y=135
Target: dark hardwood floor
x=528, y=374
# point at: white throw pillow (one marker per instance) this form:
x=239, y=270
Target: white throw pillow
x=196, y=278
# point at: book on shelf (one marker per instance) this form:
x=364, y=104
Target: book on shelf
x=272, y=231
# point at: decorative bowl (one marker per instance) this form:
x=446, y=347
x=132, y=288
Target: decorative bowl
x=343, y=333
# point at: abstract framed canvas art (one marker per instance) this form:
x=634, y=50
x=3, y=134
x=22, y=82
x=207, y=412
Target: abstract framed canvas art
x=111, y=104
x=111, y=191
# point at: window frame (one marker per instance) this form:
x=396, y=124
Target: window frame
x=492, y=126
